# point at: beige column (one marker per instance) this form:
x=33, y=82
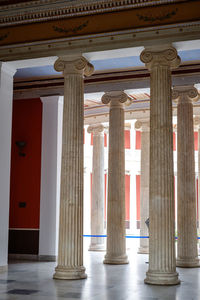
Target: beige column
x=144, y=126
x=197, y=128
x=162, y=263
x=187, y=255
x=116, y=241
x=70, y=248
x=199, y=176
x=97, y=207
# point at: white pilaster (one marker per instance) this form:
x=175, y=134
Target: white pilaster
x=6, y=100
x=52, y=111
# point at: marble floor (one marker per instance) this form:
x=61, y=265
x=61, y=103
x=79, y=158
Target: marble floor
x=33, y=280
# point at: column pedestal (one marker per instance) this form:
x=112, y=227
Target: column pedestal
x=116, y=242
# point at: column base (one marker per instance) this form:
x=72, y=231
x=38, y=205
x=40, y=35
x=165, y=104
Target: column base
x=118, y=260
x=143, y=250
x=3, y=269
x=97, y=247
x=156, y=278
x=187, y=263
x=65, y=273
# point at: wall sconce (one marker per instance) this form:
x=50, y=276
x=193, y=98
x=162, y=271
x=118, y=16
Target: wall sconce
x=21, y=145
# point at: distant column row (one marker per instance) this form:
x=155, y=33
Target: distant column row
x=157, y=184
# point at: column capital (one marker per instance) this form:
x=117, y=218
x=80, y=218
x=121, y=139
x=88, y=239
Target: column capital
x=185, y=94
x=116, y=99
x=8, y=68
x=51, y=99
x=96, y=129
x=73, y=65
x=160, y=56
x=196, y=123
x=142, y=125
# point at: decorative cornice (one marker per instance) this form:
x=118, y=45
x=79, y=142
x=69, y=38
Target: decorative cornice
x=42, y=10
x=115, y=40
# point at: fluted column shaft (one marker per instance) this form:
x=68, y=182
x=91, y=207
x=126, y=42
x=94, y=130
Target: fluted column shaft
x=97, y=207
x=162, y=264
x=144, y=126
x=199, y=179
x=197, y=128
x=187, y=255
x=70, y=249
x=116, y=243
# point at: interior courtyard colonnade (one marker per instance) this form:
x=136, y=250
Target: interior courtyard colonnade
x=160, y=61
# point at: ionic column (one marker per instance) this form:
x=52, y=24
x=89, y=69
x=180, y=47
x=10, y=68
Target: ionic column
x=116, y=243
x=162, y=263
x=187, y=255
x=144, y=126
x=70, y=248
x=97, y=209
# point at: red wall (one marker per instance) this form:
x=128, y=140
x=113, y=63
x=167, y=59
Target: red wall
x=26, y=171
x=138, y=140
x=127, y=143
x=138, y=197
x=174, y=141
x=105, y=198
x=127, y=197
x=195, y=140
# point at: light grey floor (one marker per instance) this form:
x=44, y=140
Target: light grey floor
x=33, y=280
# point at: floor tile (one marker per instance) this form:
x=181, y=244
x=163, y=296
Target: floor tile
x=33, y=281
x=22, y=292
x=6, y=281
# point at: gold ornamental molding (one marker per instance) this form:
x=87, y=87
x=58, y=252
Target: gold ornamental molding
x=43, y=10
x=102, y=23
x=143, y=25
